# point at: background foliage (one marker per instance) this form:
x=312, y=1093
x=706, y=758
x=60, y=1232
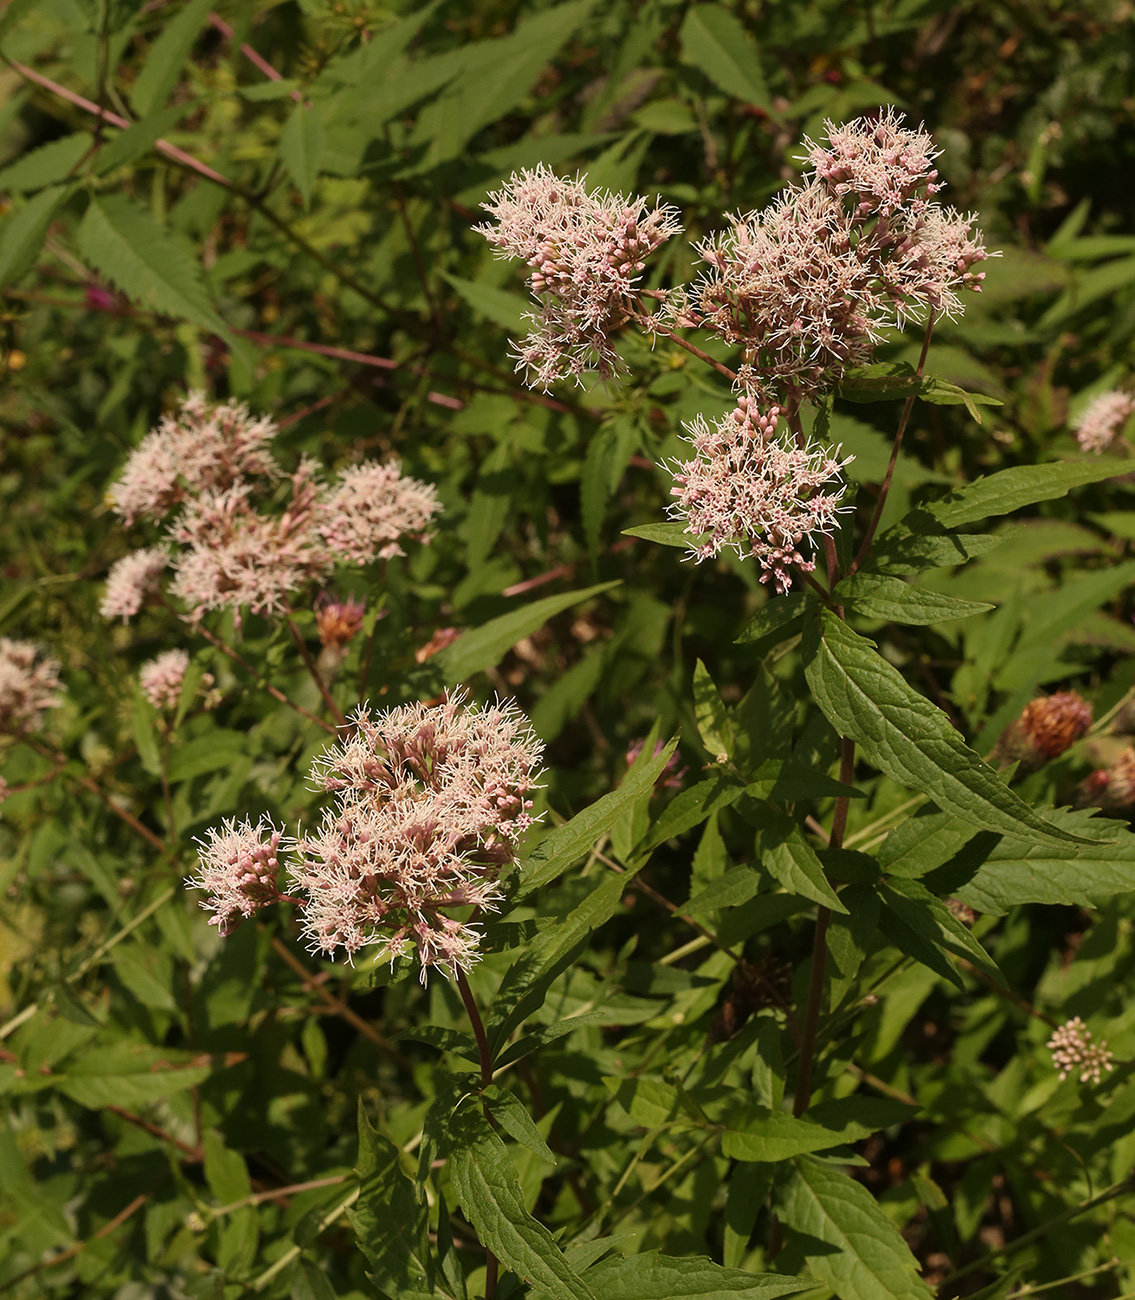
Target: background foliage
x=180, y=1114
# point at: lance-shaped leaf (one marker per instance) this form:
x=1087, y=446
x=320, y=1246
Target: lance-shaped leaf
x=482, y=648
x=654, y=1276
x=908, y=738
x=671, y=533
x=849, y=1243
x=924, y=928
x=1023, y=485
x=1018, y=870
x=755, y=1132
x=392, y=1228
x=788, y=857
x=779, y=614
x=922, y=542
x=488, y=1191
x=875, y=596
x=569, y=842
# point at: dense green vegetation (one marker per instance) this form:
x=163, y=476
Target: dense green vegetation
x=274, y=204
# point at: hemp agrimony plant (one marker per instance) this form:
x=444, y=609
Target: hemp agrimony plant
x=645, y=978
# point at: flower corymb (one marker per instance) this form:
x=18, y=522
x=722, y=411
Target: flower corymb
x=428, y=803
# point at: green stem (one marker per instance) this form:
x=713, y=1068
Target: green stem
x=492, y=1268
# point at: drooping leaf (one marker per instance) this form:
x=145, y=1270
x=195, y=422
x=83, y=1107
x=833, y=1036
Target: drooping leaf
x=788, y=857
x=151, y=265
x=905, y=736
x=488, y=1191
x=924, y=928
x=515, y=1118
x=778, y=614
x=849, y=1243
x=1017, y=870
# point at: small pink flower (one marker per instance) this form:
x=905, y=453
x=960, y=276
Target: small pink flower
x=1103, y=420
x=29, y=685
x=586, y=251
x=754, y=494
x=132, y=580
x=238, y=869
x=162, y=678
x=429, y=801
x=373, y=508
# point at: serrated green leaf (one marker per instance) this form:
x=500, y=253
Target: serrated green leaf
x=654, y=1276
x=715, y=42
x=924, y=928
x=391, y=1226
x=736, y=886
x=749, y=1186
x=140, y=138
x=849, y=938
x=130, y=1075
x=488, y=1191
x=905, y=736
x=894, y=381
x=1023, y=485
x=688, y=809
x=513, y=1116
x=876, y=596
x=301, y=148
x=858, y=1251
x=22, y=232
x=545, y=1034
x=788, y=857
x=481, y=648
x=151, y=265
x=712, y=718
x=1017, y=871
x=47, y=165
x=754, y=1132
x=167, y=57
x=146, y=732
x=921, y=542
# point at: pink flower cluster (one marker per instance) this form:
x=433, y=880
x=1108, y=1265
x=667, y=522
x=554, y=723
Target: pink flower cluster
x=372, y=508
x=132, y=580
x=586, y=251
x=429, y=801
x=212, y=464
x=747, y=490
x=199, y=448
x=29, y=685
x=880, y=164
x=238, y=868
x=161, y=679
x=1074, y=1052
x=808, y=286
x=1103, y=420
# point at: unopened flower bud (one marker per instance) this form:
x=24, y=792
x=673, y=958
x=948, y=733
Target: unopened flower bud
x=1045, y=729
